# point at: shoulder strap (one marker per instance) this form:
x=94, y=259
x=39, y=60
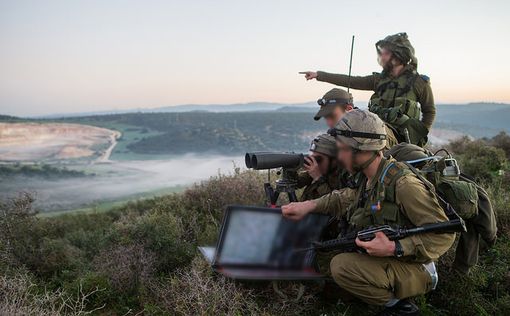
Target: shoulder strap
x=389, y=176
x=448, y=209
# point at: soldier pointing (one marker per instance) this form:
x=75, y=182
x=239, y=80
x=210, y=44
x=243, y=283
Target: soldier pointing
x=398, y=90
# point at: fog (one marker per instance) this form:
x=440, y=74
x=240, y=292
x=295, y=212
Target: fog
x=120, y=179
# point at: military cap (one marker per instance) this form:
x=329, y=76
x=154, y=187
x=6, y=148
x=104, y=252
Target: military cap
x=330, y=100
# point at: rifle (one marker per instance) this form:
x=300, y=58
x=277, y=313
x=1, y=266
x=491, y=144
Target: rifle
x=348, y=242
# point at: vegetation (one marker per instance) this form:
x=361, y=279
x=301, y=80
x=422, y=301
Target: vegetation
x=42, y=171
x=221, y=133
x=142, y=256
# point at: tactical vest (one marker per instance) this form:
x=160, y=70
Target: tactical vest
x=395, y=102
x=378, y=206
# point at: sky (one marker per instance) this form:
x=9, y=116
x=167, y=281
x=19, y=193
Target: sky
x=80, y=56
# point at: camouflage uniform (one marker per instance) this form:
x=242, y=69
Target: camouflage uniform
x=396, y=98
x=395, y=196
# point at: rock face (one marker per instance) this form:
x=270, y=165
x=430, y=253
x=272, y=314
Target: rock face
x=27, y=142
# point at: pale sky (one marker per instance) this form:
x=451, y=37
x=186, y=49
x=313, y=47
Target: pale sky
x=77, y=56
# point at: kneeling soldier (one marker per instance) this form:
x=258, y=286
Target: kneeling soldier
x=390, y=271
x=321, y=174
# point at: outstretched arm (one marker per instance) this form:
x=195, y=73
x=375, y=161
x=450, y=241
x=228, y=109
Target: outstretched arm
x=357, y=82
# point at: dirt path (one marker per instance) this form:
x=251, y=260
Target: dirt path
x=105, y=157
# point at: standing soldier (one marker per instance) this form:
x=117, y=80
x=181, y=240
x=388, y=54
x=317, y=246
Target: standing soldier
x=391, y=194
x=398, y=90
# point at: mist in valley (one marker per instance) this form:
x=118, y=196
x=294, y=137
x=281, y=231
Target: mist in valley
x=119, y=179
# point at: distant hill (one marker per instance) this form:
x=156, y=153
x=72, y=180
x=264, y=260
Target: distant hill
x=475, y=119
x=236, y=128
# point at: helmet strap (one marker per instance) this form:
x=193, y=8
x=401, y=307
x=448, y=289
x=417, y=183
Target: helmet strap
x=367, y=163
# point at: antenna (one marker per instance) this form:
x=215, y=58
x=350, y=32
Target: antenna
x=350, y=65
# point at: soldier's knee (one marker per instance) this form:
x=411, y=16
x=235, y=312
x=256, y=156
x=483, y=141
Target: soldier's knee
x=340, y=266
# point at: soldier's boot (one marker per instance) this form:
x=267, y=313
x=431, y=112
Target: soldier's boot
x=401, y=308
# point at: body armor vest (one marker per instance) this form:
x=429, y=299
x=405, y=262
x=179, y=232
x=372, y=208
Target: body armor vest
x=395, y=102
x=378, y=206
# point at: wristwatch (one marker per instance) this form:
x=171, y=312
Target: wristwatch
x=399, y=252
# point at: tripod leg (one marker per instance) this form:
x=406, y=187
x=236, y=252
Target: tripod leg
x=270, y=194
x=275, y=198
x=292, y=196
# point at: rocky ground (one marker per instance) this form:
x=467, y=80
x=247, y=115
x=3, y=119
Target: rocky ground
x=26, y=142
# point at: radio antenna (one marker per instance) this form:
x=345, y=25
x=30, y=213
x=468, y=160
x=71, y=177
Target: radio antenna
x=350, y=65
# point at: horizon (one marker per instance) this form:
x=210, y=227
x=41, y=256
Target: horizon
x=159, y=109
x=93, y=56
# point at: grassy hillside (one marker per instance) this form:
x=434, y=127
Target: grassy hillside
x=143, y=257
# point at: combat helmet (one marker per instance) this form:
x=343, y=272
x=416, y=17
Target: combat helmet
x=324, y=144
x=400, y=46
x=407, y=152
x=362, y=131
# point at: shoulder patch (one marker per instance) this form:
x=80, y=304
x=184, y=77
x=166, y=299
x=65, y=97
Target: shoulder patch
x=425, y=78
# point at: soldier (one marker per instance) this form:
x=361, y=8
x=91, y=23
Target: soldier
x=321, y=173
x=390, y=271
x=398, y=90
x=334, y=104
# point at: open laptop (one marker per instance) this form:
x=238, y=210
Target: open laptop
x=257, y=243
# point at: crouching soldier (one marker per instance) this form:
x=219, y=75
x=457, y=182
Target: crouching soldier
x=321, y=174
x=390, y=271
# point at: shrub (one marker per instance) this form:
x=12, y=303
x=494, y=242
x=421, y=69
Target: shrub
x=194, y=291
x=19, y=295
x=479, y=160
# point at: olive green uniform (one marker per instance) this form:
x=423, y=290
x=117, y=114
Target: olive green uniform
x=392, y=98
x=335, y=180
x=315, y=189
x=407, y=201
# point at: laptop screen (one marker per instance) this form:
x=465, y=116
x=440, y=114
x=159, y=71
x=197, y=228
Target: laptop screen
x=261, y=237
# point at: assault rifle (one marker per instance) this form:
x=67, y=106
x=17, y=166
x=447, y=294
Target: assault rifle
x=348, y=243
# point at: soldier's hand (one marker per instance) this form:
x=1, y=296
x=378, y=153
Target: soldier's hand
x=312, y=167
x=297, y=210
x=309, y=75
x=380, y=246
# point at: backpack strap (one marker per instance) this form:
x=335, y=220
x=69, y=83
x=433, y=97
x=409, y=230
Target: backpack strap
x=447, y=207
x=391, y=173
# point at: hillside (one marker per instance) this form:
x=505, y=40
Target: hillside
x=142, y=257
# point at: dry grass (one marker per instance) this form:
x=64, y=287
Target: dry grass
x=20, y=296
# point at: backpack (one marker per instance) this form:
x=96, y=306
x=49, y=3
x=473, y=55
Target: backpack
x=470, y=200
x=444, y=174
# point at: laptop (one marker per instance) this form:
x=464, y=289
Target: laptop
x=258, y=243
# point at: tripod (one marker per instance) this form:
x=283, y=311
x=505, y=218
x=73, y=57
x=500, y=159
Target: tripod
x=287, y=184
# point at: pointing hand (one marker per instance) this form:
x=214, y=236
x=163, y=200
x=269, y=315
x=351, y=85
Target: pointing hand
x=309, y=75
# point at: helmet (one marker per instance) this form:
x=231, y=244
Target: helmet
x=330, y=100
x=400, y=46
x=362, y=130
x=407, y=152
x=324, y=144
